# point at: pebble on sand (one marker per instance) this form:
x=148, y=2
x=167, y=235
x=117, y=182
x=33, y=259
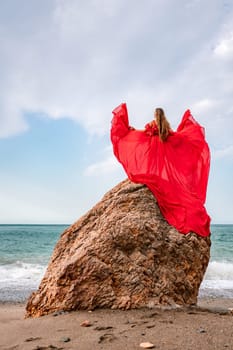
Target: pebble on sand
x=147, y=345
x=65, y=339
x=86, y=323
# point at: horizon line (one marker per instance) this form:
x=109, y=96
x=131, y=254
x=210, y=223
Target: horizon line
x=64, y=224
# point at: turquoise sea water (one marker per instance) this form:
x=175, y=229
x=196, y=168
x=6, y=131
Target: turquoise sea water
x=24, y=254
x=218, y=280
x=25, y=251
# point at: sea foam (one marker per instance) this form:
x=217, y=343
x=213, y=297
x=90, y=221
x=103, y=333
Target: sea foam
x=218, y=280
x=21, y=274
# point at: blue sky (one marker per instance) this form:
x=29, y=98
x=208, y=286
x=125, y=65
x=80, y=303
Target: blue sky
x=65, y=64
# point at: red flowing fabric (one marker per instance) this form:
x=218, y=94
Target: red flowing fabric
x=176, y=170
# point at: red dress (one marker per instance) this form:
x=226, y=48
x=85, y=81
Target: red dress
x=176, y=170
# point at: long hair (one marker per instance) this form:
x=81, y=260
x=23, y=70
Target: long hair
x=162, y=123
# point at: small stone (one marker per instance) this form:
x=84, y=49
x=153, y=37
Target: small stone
x=102, y=328
x=147, y=345
x=201, y=330
x=152, y=315
x=86, y=323
x=150, y=326
x=107, y=337
x=32, y=339
x=65, y=339
x=47, y=347
x=59, y=312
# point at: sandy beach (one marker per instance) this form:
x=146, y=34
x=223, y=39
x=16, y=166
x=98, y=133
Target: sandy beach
x=115, y=329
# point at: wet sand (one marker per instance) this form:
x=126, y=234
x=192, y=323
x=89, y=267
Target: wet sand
x=210, y=327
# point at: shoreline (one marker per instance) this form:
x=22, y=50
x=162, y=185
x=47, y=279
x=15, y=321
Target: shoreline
x=214, y=300
x=166, y=329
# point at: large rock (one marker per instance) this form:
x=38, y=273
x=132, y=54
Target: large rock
x=122, y=254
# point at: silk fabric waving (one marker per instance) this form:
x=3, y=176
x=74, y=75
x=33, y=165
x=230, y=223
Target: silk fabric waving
x=176, y=170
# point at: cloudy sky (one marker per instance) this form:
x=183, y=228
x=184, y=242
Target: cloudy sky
x=65, y=64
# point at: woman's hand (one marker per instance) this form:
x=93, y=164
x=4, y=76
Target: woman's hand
x=152, y=123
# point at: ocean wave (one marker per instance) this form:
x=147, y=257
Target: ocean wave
x=20, y=277
x=21, y=274
x=219, y=270
x=218, y=280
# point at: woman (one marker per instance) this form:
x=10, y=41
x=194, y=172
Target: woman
x=159, y=125
x=173, y=165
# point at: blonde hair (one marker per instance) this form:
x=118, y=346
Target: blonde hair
x=162, y=123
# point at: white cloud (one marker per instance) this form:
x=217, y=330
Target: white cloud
x=204, y=105
x=223, y=153
x=106, y=166
x=224, y=49
x=78, y=60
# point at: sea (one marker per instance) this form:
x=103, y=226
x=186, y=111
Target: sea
x=25, y=251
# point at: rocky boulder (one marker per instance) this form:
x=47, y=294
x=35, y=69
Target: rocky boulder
x=122, y=254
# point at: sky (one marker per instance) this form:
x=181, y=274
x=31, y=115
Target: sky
x=66, y=64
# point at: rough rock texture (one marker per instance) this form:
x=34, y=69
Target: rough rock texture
x=122, y=254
